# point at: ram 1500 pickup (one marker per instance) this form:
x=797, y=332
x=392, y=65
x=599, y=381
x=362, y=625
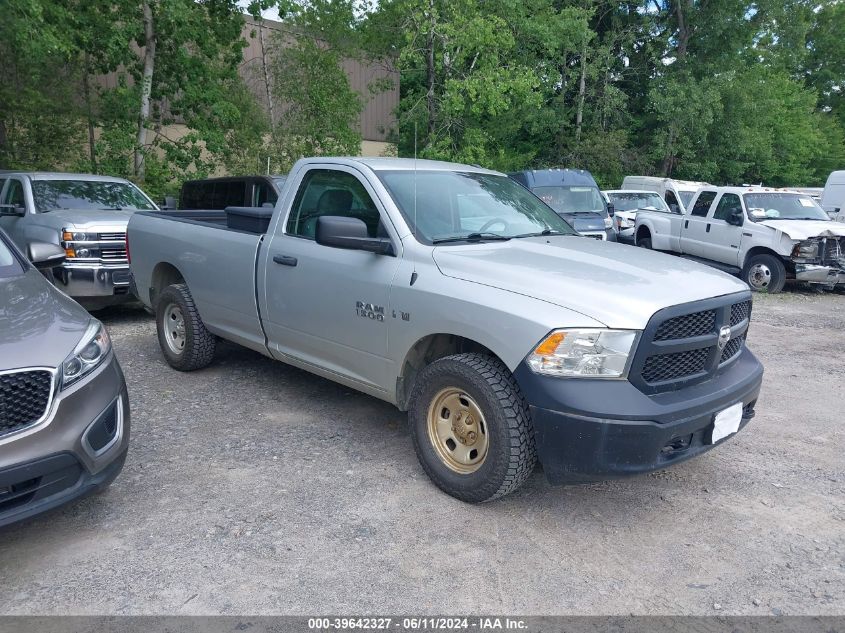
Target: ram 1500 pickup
x=457, y=295
x=84, y=214
x=765, y=235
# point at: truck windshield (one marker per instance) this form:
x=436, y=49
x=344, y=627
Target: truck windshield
x=632, y=201
x=9, y=265
x=455, y=206
x=51, y=195
x=686, y=197
x=571, y=199
x=782, y=206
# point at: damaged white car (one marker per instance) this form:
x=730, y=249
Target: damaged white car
x=766, y=235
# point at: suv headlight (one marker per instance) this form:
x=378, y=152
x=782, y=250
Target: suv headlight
x=583, y=353
x=88, y=354
x=608, y=223
x=806, y=251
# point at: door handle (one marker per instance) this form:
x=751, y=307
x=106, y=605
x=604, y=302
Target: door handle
x=284, y=260
x=708, y=228
x=686, y=224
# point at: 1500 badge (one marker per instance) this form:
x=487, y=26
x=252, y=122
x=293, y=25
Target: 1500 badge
x=369, y=311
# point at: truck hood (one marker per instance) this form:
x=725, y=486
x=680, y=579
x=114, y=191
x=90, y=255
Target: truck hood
x=585, y=221
x=805, y=229
x=85, y=218
x=39, y=326
x=618, y=285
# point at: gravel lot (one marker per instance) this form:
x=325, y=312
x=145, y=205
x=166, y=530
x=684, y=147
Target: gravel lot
x=255, y=488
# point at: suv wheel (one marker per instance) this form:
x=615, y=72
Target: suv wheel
x=185, y=342
x=471, y=427
x=764, y=273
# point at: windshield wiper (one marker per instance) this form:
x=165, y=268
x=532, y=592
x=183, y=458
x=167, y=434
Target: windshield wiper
x=471, y=237
x=542, y=233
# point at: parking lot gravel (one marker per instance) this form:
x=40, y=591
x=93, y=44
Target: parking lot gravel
x=252, y=487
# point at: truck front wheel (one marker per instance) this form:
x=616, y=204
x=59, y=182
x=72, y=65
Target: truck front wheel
x=471, y=427
x=184, y=341
x=764, y=273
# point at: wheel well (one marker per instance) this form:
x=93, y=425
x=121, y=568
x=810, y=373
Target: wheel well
x=424, y=352
x=643, y=232
x=760, y=250
x=164, y=275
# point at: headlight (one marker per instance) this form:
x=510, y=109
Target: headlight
x=78, y=236
x=89, y=352
x=608, y=223
x=808, y=250
x=583, y=353
x=623, y=223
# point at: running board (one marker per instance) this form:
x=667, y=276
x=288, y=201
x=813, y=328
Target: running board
x=733, y=270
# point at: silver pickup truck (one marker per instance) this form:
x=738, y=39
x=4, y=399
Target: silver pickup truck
x=84, y=214
x=459, y=296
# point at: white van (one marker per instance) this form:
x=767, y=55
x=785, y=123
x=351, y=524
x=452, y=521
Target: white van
x=833, y=198
x=676, y=193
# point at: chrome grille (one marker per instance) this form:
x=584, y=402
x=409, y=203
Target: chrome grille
x=113, y=254
x=24, y=399
x=112, y=237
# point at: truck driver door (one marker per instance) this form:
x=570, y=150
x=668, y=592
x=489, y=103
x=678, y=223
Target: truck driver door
x=329, y=306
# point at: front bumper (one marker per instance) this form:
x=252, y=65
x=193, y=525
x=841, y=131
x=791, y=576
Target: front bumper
x=93, y=280
x=607, y=235
x=79, y=448
x=816, y=274
x=594, y=429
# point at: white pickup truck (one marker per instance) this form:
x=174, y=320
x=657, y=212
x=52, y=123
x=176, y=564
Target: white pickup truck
x=767, y=235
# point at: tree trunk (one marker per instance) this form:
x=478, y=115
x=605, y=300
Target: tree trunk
x=266, y=72
x=430, y=102
x=669, y=156
x=683, y=29
x=146, y=88
x=582, y=90
x=86, y=92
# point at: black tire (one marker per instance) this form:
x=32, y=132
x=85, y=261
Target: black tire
x=198, y=346
x=645, y=241
x=510, y=453
x=764, y=273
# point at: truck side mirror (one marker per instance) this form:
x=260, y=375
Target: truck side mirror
x=12, y=210
x=611, y=208
x=45, y=255
x=350, y=233
x=735, y=218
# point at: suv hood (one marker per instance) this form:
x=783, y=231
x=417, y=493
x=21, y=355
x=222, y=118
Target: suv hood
x=85, y=218
x=805, y=229
x=39, y=326
x=618, y=285
x=585, y=221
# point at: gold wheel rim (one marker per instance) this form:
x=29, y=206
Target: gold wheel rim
x=457, y=430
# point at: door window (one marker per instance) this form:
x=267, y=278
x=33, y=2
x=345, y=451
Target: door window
x=671, y=199
x=702, y=204
x=262, y=194
x=329, y=192
x=14, y=193
x=727, y=206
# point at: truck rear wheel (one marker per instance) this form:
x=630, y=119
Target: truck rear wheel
x=764, y=273
x=184, y=341
x=471, y=427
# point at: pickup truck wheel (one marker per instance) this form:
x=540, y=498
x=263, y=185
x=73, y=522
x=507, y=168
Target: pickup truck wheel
x=185, y=342
x=471, y=427
x=644, y=242
x=764, y=273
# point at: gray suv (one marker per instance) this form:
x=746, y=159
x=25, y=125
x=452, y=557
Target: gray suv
x=64, y=409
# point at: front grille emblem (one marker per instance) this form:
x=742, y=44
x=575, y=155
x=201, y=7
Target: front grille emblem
x=724, y=336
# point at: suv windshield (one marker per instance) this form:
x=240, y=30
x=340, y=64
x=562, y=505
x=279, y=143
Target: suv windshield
x=571, y=199
x=51, y=195
x=632, y=201
x=9, y=265
x=783, y=206
x=466, y=205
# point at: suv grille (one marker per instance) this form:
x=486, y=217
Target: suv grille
x=24, y=399
x=680, y=345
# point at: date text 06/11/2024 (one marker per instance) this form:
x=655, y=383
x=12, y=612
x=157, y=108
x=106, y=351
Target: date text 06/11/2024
x=416, y=623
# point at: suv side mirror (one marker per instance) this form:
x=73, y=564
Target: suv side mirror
x=12, y=210
x=350, y=233
x=611, y=208
x=45, y=255
x=735, y=217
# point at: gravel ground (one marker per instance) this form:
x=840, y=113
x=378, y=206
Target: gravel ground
x=255, y=488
